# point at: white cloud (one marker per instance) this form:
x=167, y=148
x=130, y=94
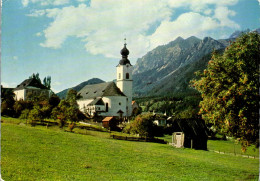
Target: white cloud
x=45, y=2
x=37, y=13
x=38, y=34
x=222, y=14
x=102, y=26
x=104, y=23
x=188, y=24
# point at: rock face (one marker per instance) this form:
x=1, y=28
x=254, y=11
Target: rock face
x=165, y=61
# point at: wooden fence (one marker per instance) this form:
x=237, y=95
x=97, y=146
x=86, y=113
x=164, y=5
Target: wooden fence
x=155, y=140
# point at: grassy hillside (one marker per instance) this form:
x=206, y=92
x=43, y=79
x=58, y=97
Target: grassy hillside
x=42, y=154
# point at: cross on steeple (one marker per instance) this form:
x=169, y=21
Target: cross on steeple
x=125, y=41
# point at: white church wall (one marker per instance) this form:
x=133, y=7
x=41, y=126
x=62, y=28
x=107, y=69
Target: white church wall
x=115, y=103
x=83, y=103
x=19, y=94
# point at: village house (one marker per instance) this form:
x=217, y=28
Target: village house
x=31, y=87
x=109, y=98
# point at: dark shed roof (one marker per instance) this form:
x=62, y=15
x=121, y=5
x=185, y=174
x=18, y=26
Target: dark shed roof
x=32, y=82
x=100, y=90
x=192, y=127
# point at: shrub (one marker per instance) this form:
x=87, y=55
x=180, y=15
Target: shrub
x=24, y=114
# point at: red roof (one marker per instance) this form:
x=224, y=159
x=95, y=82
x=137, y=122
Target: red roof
x=107, y=119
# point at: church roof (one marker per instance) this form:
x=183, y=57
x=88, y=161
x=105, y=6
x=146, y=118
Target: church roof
x=124, y=52
x=97, y=101
x=32, y=82
x=100, y=90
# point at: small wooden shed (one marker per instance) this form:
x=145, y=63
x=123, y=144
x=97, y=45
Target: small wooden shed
x=190, y=133
x=110, y=123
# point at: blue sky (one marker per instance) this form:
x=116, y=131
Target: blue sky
x=76, y=40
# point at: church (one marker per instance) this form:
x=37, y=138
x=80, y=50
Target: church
x=110, y=99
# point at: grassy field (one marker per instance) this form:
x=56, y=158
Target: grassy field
x=37, y=153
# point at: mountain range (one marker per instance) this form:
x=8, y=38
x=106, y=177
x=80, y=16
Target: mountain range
x=168, y=69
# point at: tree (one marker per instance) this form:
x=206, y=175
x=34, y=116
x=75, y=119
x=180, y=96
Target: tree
x=47, y=82
x=35, y=115
x=36, y=76
x=7, y=101
x=229, y=88
x=54, y=100
x=142, y=125
x=67, y=110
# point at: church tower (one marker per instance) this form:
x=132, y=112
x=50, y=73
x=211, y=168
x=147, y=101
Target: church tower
x=124, y=79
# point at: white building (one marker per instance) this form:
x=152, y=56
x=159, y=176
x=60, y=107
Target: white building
x=29, y=88
x=110, y=99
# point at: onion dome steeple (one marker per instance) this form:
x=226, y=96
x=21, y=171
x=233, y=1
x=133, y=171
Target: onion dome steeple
x=124, y=52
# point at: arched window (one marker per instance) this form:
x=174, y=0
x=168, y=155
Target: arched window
x=127, y=75
x=119, y=76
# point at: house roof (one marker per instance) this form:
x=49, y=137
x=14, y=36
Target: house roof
x=107, y=119
x=100, y=90
x=97, y=101
x=32, y=82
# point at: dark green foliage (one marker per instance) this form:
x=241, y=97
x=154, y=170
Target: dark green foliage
x=24, y=114
x=54, y=100
x=36, y=76
x=7, y=101
x=47, y=82
x=143, y=126
x=230, y=89
x=179, y=106
x=21, y=105
x=67, y=110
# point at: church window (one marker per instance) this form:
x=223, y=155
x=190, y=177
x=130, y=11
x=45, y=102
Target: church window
x=127, y=75
x=119, y=76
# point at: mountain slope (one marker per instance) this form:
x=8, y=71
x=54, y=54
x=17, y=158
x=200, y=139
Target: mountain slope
x=78, y=87
x=168, y=60
x=179, y=81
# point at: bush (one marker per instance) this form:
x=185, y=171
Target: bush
x=24, y=114
x=143, y=126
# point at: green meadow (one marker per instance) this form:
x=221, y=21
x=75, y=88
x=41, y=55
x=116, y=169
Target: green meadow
x=36, y=153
